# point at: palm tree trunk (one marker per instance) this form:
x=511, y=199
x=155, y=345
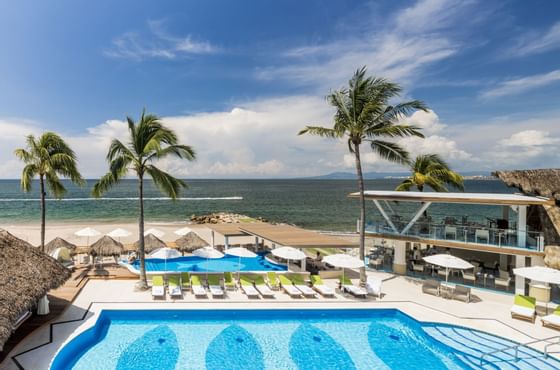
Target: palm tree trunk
x=43, y=212
x=362, y=211
x=143, y=283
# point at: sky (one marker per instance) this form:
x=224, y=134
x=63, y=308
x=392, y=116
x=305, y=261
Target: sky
x=238, y=79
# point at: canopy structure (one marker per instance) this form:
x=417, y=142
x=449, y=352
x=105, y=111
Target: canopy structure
x=288, y=253
x=241, y=252
x=539, y=273
x=155, y=232
x=165, y=253
x=208, y=252
x=343, y=261
x=26, y=275
x=183, y=231
x=58, y=242
x=449, y=262
x=151, y=243
x=107, y=246
x=190, y=242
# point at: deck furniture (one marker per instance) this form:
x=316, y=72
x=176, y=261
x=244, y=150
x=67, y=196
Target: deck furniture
x=215, y=286
x=320, y=286
x=247, y=287
x=158, y=287
x=300, y=284
x=289, y=287
x=272, y=280
x=552, y=320
x=462, y=292
x=174, y=286
x=185, y=280
x=481, y=234
x=229, y=282
x=468, y=277
x=197, y=287
x=416, y=267
x=524, y=308
x=376, y=263
x=373, y=286
x=450, y=232
x=503, y=281
x=262, y=288
x=347, y=286
x=431, y=286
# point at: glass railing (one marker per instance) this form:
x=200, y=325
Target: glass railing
x=476, y=234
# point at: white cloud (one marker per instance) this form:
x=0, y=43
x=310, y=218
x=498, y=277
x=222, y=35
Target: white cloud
x=428, y=121
x=157, y=44
x=537, y=42
x=529, y=138
x=519, y=85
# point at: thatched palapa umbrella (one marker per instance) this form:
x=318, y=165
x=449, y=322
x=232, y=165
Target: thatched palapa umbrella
x=151, y=243
x=26, y=275
x=107, y=246
x=190, y=242
x=58, y=242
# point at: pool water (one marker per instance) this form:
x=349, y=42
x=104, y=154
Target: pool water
x=273, y=339
x=198, y=264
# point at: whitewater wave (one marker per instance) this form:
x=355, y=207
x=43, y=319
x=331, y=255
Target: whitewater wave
x=116, y=199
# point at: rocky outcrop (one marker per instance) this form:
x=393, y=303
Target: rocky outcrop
x=552, y=256
x=224, y=218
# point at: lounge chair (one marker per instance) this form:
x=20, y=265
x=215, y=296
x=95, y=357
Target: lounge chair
x=503, y=281
x=347, y=286
x=469, y=278
x=185, y=281
x=247, y=286
x=524, y=308
x=462, y=292
x=229, y=282
x=263, y=289
x=215, y=286
x=431, y=286
x=552, y=320
x=300, y=284
x=197, y=287
x=320, y=286
x=158, y=288
x=272, y=280
x=418, y=267
x=373, y=286
x=289, y=287
x=174, y=286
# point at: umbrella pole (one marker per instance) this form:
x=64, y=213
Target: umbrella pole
x=238, y=267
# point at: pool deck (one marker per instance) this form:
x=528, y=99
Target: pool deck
x=489, y=312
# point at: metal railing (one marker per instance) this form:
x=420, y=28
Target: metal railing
x=526, y=345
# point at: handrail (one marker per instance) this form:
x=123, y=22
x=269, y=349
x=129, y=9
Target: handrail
x=516, y=346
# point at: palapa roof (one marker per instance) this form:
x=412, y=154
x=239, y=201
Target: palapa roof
x=26, y=274
x=106, y=246
x=58, y=242
x=151, y=243
x=189, y=242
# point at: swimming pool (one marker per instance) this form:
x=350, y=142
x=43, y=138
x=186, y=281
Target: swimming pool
x=198, y=264
x=282, y=339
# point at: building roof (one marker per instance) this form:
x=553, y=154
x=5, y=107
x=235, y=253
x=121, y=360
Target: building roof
x=228, y=229
x=26, y=274
x=466, y=198
x=294, y=236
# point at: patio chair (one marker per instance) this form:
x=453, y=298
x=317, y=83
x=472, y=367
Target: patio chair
x=197, y=287
x=373, y=286
x=289, y=287
x=503, y=281
x=185, y=280
x=229, y=282
x=416, y=267
x=552, y=320
x=462, y=292
x=320, y=286
x=262, y=288
x=468, y=277
x=450, y=232
x=481, y=234
x=443, y=272
x=215, y=286
x=158, y=287
x=174, y=286
x=272, y=280
x=247, y=287
x=300, y=284
x=347, y=286
x=524, y=308
x=376, y=263
x=431, y=286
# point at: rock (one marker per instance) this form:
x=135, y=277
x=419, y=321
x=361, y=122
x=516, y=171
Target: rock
x=552, y=256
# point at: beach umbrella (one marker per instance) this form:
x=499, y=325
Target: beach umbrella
x=61, y=254
x=190, y=242
x=87, y=232
x=288, y=253
x=119, y=233
x=240, y=252
x=164, y=254
x=449, y=262
x=343, y=261
x=151, y=243
x=155, y=232
x=106, y=246
x=59, y=243
x=539, y=273
x=208, y=253
x=183, y=231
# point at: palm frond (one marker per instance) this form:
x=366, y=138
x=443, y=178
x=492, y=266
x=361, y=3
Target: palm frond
x=405, y=185
x=390, y=151
x=103, y=185
x=27, y=175
x=390, y=130
x=320, y=131
x=54, y=184
x=165, y=182
x=181, y=151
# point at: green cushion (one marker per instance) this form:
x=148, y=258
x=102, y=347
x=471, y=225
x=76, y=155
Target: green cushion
x=185, y=279
x=345, y=281
x=195, y=280
x=272, y=279
x=284, y=280
x=316, y=280
x=525, y=301
x=157, y=280
x=245, y=280
x=213, y=280
x=259, y=280
x=297, y=279
x=557, y=311
x=173, y=280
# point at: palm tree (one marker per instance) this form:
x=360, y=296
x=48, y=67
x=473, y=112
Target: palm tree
x=48, y=157
x=364, y=114
x=431, y=170
x=149, y=141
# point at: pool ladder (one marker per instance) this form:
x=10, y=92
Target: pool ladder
x=551, y=342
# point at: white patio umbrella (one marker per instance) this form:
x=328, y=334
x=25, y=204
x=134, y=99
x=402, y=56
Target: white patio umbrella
x=119, y=233
x=539, y=273
x=183, y=231
x=208, y=253
x=288, y=253
x=449, y=262
x=240, y=252
x=343, y=261
x=165, y=253
x=87, y=232
x=155, y=232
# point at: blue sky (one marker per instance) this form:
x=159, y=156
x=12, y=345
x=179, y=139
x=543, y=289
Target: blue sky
x=237, y=79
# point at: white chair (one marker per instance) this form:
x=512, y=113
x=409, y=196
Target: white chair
x=319, y=286
x=503, y=281
x=468, y=277
x=450, y=232
x=418, y=268
x=373, y=286
x=481, y=234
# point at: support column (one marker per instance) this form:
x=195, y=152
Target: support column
x=212, y=240
x=399, y=259
x=503, y=262
x=522, y=227
x=303, y=262
x=537, y=261
x=226, y=242
x=519, y=281
x=256, y=243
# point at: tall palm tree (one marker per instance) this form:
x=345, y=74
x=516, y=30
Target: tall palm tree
x=149, y=141
x=48, y=157
x=364, y=114
x=431, y=170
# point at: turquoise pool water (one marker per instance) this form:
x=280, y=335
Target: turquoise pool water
x=282, y=339
x=197, y=264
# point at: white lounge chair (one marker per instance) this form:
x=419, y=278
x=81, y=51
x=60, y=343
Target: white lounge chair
x=158, y=287
x=300, y=284
x=552, y=320
x=289, y=287
x=319, y=285
x=263, y=289
x=373, y=286
x=197, y=288
x=247, y=287
x=215, y=287
x=524, y=307
x=175, y=286
x=347, y=286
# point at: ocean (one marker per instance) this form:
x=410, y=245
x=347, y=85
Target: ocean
x=313, y=204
